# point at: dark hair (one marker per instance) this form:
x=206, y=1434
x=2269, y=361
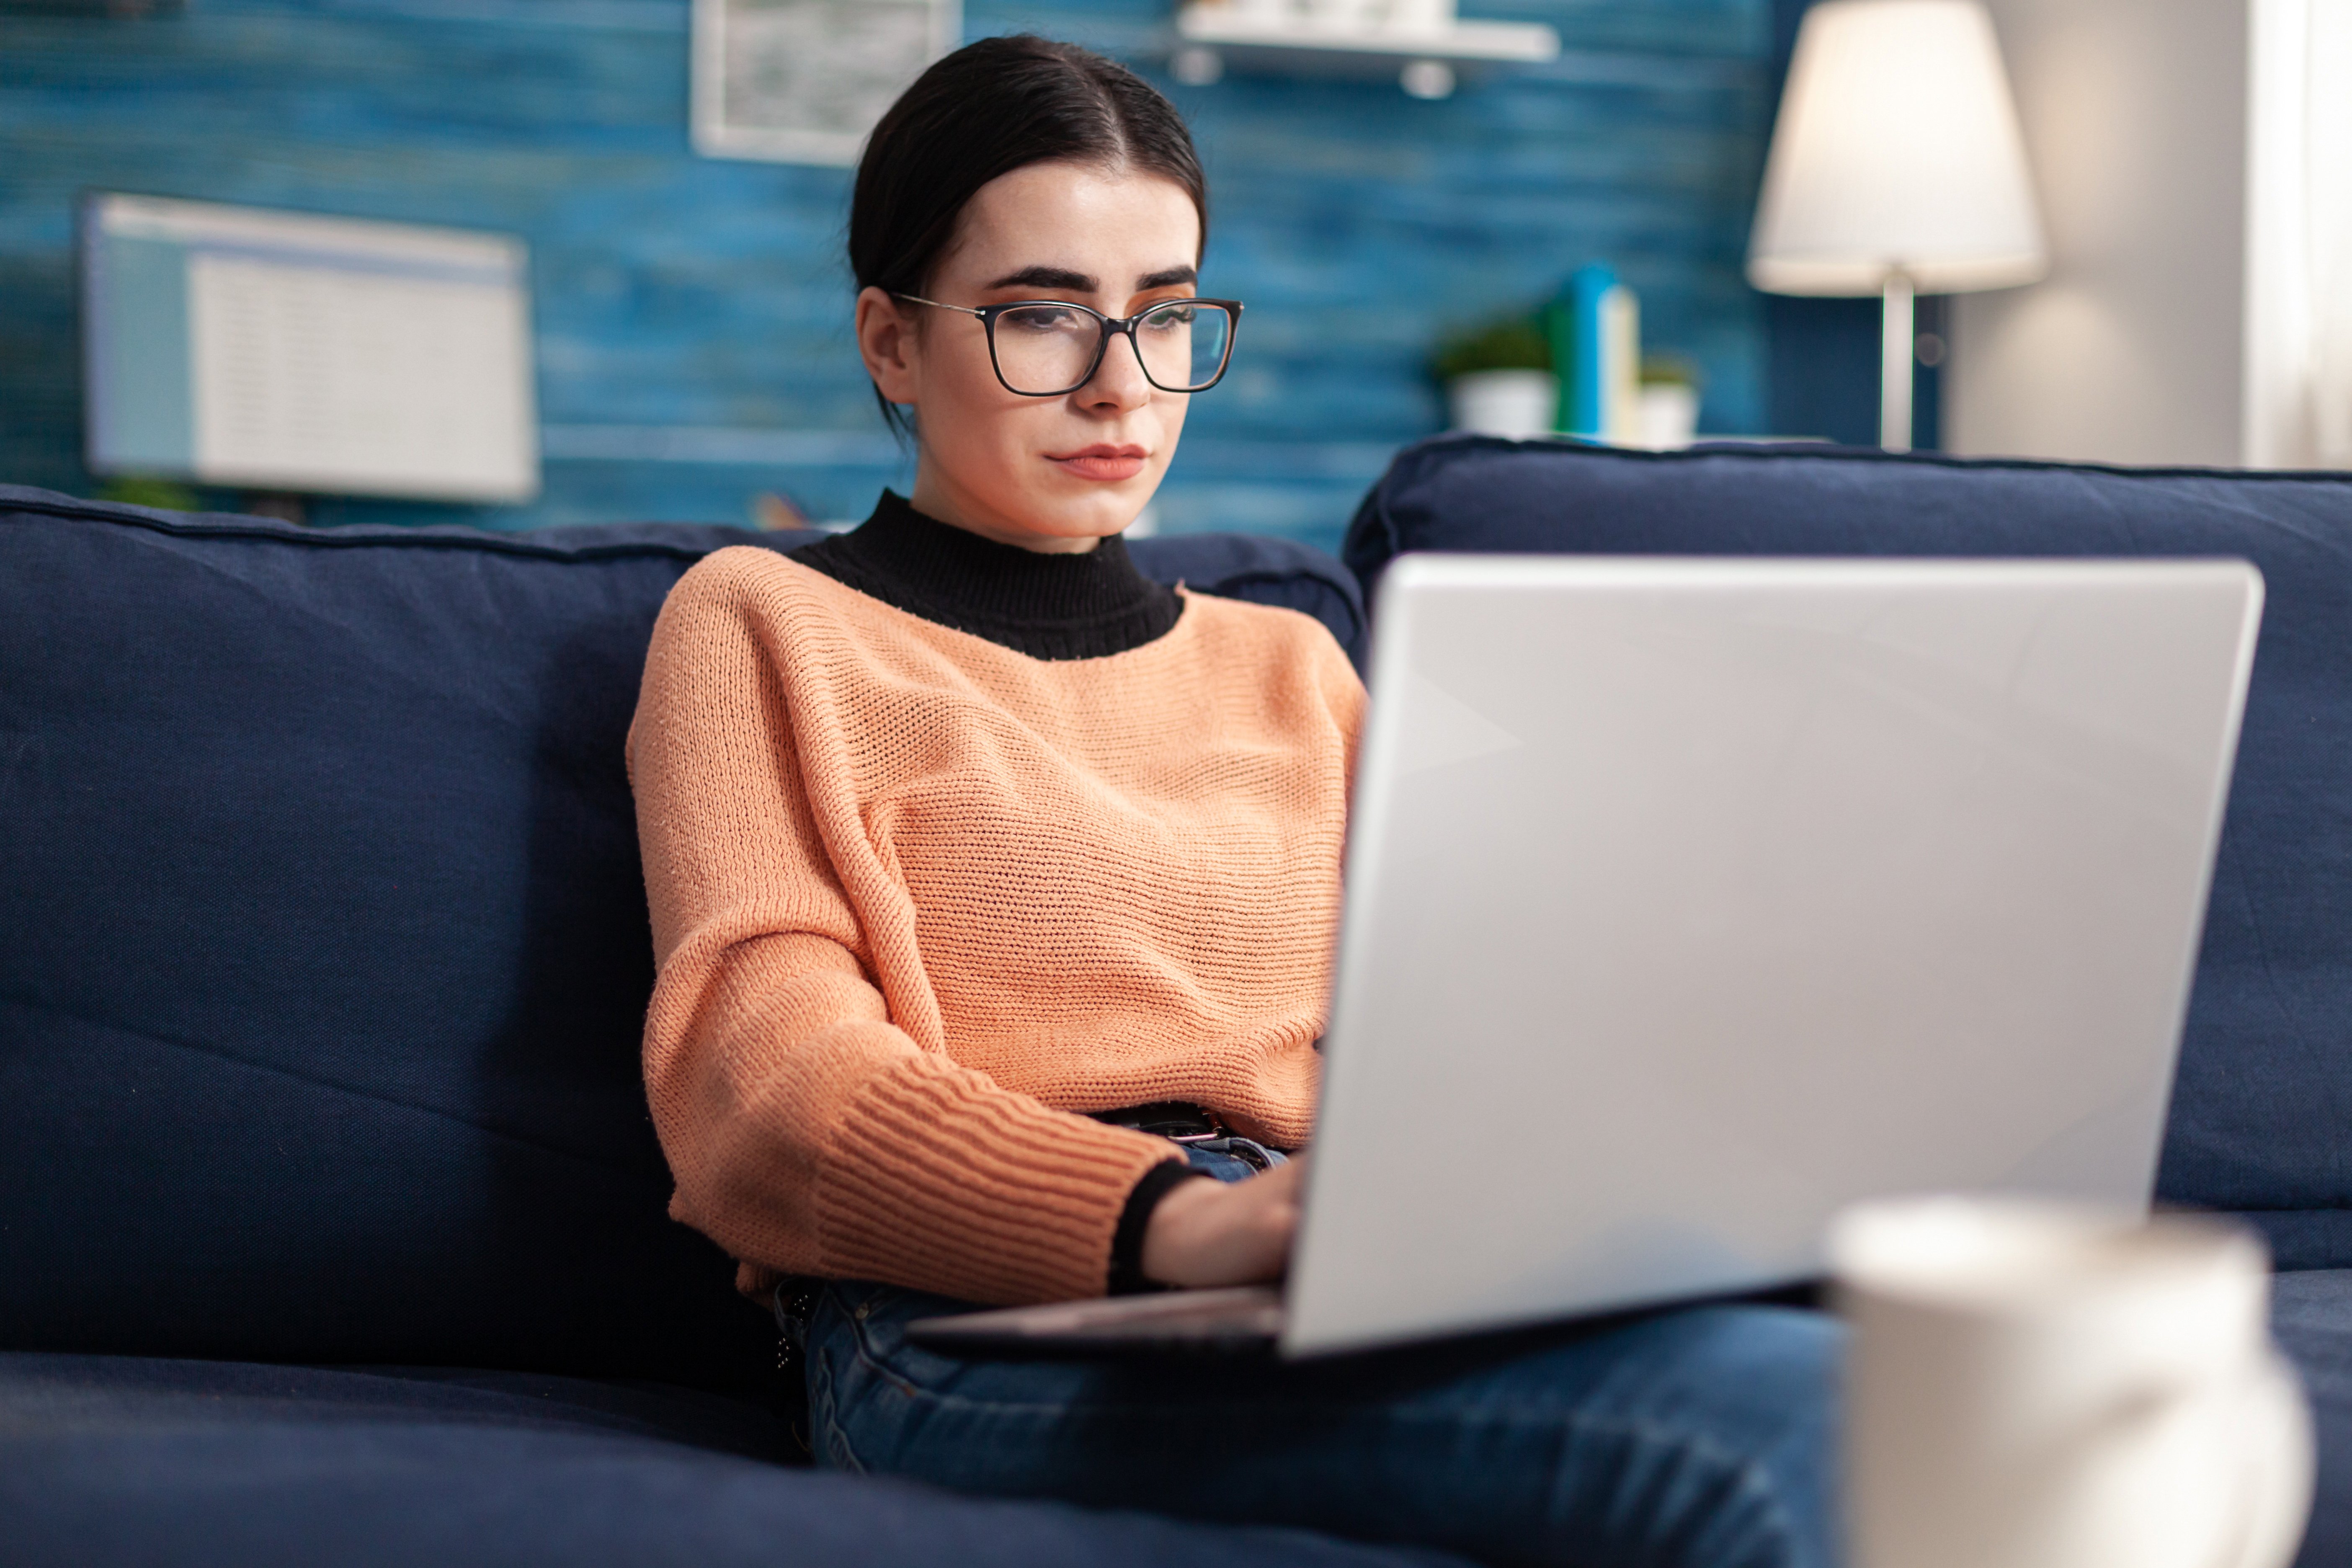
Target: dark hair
x=988, y=109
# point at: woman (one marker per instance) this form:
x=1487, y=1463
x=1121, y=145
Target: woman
x=982, y=867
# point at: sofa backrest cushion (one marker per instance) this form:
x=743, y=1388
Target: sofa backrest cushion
x=323, y=946
x=2262, y=1110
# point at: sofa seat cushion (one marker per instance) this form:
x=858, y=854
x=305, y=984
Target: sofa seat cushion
x=2311, y=1312
x=2262, y=1110
x=118, y=1460
x=323, y=946
x=52, y=1395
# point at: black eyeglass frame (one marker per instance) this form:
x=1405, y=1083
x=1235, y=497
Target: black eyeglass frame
x=1110, y=324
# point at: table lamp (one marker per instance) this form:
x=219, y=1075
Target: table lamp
x=1896, y=167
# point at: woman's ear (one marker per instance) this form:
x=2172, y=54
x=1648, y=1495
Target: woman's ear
x=887, y=342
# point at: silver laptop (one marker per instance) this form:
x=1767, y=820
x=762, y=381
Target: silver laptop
x=1691, y=901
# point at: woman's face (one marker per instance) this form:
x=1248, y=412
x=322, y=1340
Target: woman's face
x=1049, y=473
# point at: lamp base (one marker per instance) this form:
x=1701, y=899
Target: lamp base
x=1896, y=332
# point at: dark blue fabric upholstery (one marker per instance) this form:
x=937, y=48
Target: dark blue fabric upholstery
x=108, y=1460
x=323, y=946
x=1264, y=571
x=2262, y=1111
x=2311, y=1313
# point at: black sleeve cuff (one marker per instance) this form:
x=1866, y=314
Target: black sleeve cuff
x=1127, y=1242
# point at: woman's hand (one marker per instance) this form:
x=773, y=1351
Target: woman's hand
x=1224, y=1232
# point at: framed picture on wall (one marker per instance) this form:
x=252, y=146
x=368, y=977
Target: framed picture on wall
x=803, y=81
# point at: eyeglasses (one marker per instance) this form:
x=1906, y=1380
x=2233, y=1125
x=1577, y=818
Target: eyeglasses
x=1046, y=348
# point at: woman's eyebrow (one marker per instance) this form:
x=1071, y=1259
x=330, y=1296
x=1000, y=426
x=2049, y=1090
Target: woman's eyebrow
x=1046, y=278
x=1085, y=283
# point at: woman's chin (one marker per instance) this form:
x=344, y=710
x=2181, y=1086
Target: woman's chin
x=1094, y=508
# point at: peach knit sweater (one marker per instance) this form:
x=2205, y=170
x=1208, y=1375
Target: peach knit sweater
x=919, y=898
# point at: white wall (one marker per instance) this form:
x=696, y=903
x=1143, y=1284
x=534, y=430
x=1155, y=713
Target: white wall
x=2133, y=349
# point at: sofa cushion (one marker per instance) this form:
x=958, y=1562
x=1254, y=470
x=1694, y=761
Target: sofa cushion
x=2311, y=1313
x=47, y=1397
x=323, y=945
x=1262, y=571
x=132, y=1461
x=2262, y=1110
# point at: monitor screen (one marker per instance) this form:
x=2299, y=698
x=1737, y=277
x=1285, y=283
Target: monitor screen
x=282, y=351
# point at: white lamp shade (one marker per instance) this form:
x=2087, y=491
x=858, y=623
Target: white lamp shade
x=1897, y=149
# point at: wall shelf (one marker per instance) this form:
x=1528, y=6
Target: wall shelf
x=1426, y=59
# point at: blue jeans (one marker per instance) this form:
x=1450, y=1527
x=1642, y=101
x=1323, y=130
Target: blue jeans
x=1698, y=1437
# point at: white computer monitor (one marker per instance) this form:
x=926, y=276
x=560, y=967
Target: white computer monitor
x=281, y=351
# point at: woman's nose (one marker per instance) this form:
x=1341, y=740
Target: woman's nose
x=1118, y=381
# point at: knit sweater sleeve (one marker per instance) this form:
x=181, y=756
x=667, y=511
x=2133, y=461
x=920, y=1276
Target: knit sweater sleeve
x=807, y=1129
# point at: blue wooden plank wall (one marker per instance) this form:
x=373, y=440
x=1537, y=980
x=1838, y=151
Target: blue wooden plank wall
x=692, y=313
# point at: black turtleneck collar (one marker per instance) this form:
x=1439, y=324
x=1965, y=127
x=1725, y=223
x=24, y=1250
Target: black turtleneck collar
x=1044, y=605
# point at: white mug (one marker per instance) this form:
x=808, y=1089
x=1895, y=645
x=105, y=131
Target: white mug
x=2047, y=1386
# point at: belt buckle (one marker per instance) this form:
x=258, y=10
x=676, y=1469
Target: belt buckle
x=1217, y=1129
x=1181, y=1113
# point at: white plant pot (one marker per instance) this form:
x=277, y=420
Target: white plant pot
x=1514, y=402
x=1669, y=414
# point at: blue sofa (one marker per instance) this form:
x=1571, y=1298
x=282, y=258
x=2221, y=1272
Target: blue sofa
x=2262, y=1112
x=331, y=1223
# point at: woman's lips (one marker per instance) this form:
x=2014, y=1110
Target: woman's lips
x=1101, y=462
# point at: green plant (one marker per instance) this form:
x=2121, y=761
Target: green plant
x=1514, y=343
x=1671, y=370
x=163, y=495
